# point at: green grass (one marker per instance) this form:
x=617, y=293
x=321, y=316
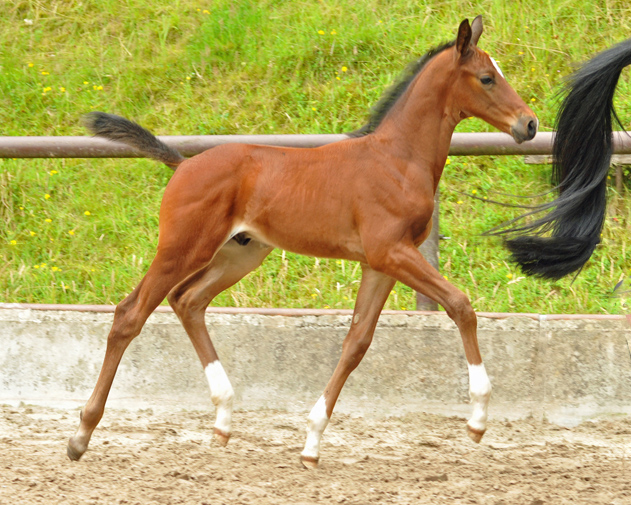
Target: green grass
x=185, y=67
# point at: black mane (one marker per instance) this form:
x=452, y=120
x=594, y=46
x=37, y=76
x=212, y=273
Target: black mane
x=394, y=92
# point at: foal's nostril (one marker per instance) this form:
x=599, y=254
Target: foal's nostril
x=532, y=128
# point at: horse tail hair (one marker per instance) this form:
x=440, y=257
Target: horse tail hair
x=123, y=130
x=562, y=241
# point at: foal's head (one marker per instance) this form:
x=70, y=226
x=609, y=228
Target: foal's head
x=480, y=89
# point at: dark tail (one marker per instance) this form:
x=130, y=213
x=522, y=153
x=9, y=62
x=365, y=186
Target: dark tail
x=560, y=242
x=123, y=130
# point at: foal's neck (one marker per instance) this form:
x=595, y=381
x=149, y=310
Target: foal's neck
x=420, y=125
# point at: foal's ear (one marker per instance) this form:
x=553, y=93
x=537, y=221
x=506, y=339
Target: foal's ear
x=464, y=38
x=476, y=30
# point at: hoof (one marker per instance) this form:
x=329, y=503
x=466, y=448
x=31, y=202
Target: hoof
x=475, y=435
x=73, y=452
x=221, y=437
x=309, y=462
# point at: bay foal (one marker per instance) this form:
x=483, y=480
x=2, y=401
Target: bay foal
x=367, y=199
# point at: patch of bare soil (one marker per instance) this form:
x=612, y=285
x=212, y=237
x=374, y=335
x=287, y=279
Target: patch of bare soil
x=170, y=458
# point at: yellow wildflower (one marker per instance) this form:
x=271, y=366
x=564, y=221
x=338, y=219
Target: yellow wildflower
x=87, y=212
x=13, y=242
x=473, y=192
x=321, y=32
x=71, y=232
x=46, y=196
x=344, y=69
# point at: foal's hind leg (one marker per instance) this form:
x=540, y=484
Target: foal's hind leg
x=172, y=264
x=373, y=292
x=189, y=300
x=129, y=318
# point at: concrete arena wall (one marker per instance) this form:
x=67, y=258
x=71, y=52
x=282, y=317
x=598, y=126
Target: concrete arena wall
x=563, y=368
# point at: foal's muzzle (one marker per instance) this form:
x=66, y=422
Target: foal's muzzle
x=524, y=129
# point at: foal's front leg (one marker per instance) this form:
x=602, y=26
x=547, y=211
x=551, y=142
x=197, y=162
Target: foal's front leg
x=407, y=265
x=372, y=295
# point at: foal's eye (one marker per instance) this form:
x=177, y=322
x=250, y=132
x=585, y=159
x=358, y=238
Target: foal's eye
x=486, y=80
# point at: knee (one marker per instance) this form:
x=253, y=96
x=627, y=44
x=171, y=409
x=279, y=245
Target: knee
x=126, y=325
x=460, y=310
x=354, y=350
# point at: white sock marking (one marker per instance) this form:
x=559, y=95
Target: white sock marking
x=480, y=392
x=222, y=395
x=497, y=67
x=318, y=421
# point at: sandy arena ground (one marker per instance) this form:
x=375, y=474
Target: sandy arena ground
x=170, y=458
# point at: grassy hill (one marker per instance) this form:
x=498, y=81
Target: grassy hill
x=84, y=231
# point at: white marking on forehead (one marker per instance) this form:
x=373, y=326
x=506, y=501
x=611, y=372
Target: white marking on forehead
x=497, y=67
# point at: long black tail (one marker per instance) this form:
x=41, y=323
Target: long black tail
x=123, y=130
x=560, y=242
